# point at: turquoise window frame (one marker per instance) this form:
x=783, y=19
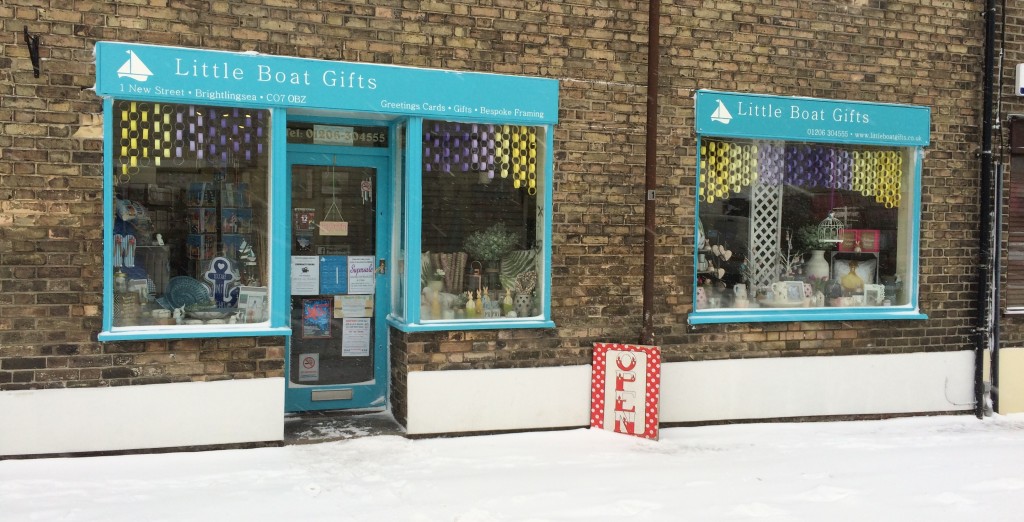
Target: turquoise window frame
x=413, y=203
x=277, y=324
x=895, y=125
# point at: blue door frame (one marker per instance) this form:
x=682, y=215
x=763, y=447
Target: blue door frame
x=373, y=393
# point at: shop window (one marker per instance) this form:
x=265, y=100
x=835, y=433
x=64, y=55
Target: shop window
x=796, y=225
x=190, y=217
x=482, y=256
x=1014, y=272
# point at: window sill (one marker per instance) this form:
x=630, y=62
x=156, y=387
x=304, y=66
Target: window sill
x=470, y=324
x=186, y=332
x=761, y=315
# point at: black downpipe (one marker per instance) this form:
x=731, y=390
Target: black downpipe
x=650, y=169
x=985, y=214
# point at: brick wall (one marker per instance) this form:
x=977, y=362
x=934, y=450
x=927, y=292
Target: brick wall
x=1011, y=326
x=917, y=51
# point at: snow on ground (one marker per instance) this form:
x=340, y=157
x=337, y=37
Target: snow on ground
x=925, y=468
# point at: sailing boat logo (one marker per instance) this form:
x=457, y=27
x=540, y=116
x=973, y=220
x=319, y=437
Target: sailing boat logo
x=721, y=114
x=134, y=69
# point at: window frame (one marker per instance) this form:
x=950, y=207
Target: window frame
x=790, y=131
x=276, y=325
x=413, y=226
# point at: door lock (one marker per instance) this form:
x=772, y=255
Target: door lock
x=382, y=267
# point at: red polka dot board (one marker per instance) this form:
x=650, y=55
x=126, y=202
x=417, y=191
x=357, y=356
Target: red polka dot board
x=626, y=389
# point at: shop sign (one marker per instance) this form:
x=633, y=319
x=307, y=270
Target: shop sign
x=729, y=114
x=626, y=389
x=141, y=71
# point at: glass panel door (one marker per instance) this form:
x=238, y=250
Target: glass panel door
x=337, y=354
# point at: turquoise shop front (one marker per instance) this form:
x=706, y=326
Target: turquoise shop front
x=325, y=202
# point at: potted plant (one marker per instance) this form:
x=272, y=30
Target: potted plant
x=489, y=246
x=491, y=243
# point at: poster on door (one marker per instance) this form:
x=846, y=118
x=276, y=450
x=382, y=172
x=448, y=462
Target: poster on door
x=355, y=337
x=305, y=275
x=625, y=389
x=361, y=271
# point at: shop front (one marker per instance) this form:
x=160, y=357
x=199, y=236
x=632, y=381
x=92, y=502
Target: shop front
x=257, y=197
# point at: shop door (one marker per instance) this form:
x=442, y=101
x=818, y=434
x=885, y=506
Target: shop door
x=337, y=353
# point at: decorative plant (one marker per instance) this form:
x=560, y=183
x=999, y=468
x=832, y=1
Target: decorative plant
x=807, y=239
x=492, y=243
x=437, y=275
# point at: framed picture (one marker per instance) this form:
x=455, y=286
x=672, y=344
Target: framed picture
x=316, y=318
x=874, y=294
x=252, y=304
x=788, y=292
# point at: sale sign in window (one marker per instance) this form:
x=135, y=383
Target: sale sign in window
x=625, y=389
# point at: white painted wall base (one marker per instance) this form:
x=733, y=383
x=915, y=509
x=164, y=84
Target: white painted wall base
x=533, y=398
x=137, y=417
x=1011, y=380
x=493, y=400
x=817, y=386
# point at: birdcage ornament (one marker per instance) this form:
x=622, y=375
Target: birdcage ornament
x=830, y=230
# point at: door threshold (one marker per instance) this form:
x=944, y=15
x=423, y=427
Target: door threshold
x=312, y=427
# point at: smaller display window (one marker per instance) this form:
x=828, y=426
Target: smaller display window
x=795, y=223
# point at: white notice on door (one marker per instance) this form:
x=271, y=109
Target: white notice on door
x=361, y=271
x=355, y=340
x=305, y=275
x=309, y=367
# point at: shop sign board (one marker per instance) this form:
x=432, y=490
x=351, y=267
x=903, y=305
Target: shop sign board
x=626, y=389
x=793, y=118
x=155, y=72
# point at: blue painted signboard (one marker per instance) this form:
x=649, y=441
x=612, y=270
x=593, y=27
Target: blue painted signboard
x=203, y=76
x=759, y=116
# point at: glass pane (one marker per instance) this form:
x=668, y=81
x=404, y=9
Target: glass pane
x=333, y=253
x=796, y=225
x=398, y=244
x=190, y=207
x=480, y=232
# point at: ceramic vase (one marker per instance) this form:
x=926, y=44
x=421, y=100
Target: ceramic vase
x=523, y=304
x=817, y=266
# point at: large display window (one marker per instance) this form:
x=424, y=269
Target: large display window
x=480, y=237
x=478, y=215
x=807, y=209
x=189, y=241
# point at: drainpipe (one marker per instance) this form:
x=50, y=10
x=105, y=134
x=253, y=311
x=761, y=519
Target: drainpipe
x=983, y=329
x=650, y=177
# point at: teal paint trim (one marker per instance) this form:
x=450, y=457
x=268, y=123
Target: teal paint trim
x=832, y=314
x=181, y=333
x=413, y=217
x=280, y=232
x=469, y=324
x=761, y=116
x=108, y=216
x=546, y=213
x=207, y=76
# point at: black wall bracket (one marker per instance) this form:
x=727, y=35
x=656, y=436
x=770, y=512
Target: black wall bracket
x=33, y=50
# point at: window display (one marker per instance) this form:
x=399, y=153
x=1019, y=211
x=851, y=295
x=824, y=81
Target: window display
x=480, y=237
x=190, y=219
x=795, y=225
x=808, y=209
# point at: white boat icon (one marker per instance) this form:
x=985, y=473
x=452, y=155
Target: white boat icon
x=721, y=114
x=134, y=69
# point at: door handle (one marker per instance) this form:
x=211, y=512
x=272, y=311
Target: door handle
x=382, y=267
